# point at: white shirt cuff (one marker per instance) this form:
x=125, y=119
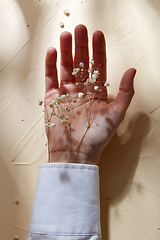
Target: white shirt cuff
x=66, y=203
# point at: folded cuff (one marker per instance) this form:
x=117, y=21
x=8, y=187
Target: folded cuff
x=66, y=200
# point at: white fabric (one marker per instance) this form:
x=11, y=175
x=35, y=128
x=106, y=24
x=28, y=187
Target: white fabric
x=66, y=203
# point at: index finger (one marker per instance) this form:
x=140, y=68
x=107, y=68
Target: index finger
x=51, y=79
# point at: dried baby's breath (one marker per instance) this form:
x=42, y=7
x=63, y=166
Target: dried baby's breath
x=91, y=61
x=61, y=24
x=106, y=84
x=80, y=95
x=63, y=106
x=40, y=102
x=66, y=12
x=96, y=88
x=16, y=238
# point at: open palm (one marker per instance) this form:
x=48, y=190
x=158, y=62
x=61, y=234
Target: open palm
x=93, y=121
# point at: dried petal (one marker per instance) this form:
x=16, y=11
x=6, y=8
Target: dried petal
x=66, y=12
x=61, y=24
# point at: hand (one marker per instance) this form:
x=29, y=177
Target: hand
x=85, y=139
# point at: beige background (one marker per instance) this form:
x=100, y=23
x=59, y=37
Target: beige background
x=130, y=165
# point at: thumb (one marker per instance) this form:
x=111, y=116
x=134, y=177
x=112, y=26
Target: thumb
x=125, y=94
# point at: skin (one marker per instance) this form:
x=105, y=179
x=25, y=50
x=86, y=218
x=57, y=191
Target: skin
x=107, y=117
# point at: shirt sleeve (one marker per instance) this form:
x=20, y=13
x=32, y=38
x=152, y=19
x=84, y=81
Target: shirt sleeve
x=66, y=203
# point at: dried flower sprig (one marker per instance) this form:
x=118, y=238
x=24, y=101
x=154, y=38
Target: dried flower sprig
x=62, y=107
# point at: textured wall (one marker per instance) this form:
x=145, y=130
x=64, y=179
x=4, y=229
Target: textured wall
x=130, y=165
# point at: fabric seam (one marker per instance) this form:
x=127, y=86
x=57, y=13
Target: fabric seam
x=65, y=234
x=69, y=168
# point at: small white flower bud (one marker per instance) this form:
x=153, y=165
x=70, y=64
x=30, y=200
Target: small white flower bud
x=66, y=12
x=52, y=103
x=53, y=113
x=63, y=107
x=58, y=98
x=90, y=70
x=63, y=96
x=76, y=70
x=40, y=102
x=74, y=74
x=47, y=124
x=16, y=238
x=61, y=116
x=52, y=125
x=81, y=64
x=80, y=95
x=96, y=88
x=92, y=80
x=86, y=83
x=63, y=122
x=95, y=74
x=106, y=84
x=91, y=61
x=61, y=24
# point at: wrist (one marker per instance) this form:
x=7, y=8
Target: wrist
x=63, y=157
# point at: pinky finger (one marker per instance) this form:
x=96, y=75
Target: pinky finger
x=51, y=80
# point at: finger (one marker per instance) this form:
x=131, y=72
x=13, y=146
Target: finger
x=51, y=80
x=126, y=92
x=81, y=46
x=99, y=55
x=66, y=67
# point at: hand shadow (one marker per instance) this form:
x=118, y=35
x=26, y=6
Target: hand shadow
x=117, y=166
